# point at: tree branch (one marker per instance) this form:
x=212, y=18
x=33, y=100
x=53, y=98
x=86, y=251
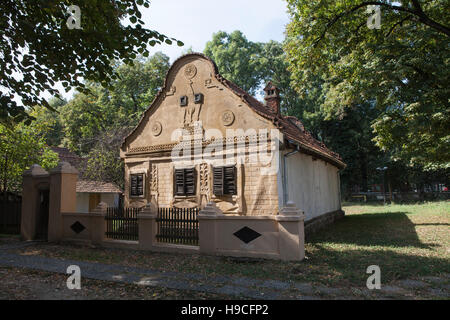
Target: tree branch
x=417, y=12
x=398, y=23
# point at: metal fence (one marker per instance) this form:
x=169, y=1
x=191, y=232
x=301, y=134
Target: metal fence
x=178, y=225
x=122, y=223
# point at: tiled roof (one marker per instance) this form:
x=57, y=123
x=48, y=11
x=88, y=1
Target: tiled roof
x=88, y=186
x=290, y=126
x=66, y=155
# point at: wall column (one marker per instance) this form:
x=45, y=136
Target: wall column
x=63, y=181
x=34, y=179
x=291, y=233
x=98, y=223
x=207, y=219
x=147, y=226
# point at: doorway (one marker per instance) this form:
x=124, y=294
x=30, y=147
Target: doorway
x=42, y=216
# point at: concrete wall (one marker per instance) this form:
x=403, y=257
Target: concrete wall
x=111, y=199
x=312, y=184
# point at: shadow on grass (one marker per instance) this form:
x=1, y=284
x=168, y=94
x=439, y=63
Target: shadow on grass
x=350, y=266
x=392, y=229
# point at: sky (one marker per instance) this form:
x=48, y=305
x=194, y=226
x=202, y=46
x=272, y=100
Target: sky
x=195, y=21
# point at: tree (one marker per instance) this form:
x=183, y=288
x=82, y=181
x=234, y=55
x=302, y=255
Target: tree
x=402, y=68
x=39, y=47
x=237, y=59
x=49, y=122
x=20, y=147
x=88, y=116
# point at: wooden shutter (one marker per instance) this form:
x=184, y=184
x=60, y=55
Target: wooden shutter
x=229, y=180
x=189, y=181
x=179, y=182
x=133, y=185
x=137, y=185
x=218, y=181
x=224, y=181
x=140, y=184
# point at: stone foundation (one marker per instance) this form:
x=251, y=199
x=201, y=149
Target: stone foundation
x=313, y=225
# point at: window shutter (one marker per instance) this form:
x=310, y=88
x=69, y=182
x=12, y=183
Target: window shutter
x=136, y=185
x=179, y=182
x=133, y=188
x=140, y=184
x=189, y=181
x=218, y=181
x=229, y=180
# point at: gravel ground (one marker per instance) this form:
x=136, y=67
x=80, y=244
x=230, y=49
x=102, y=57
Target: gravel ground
x=26, y=272
x=26, y=284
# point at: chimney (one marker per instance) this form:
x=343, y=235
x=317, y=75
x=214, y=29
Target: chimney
x=272, y=98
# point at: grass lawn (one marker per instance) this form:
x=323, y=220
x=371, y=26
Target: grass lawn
x=405, y=241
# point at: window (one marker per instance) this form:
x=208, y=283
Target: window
x=185, y=182
x=137, y=185
x=224, y=180
x=183, y=101
x=198, y=98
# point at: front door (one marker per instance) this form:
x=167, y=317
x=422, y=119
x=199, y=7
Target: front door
x=42, y=216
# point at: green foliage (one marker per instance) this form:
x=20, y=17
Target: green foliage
x=403, y=68
x=48, y=122
x=37, y=45
x=20, y=147
x=93, y=124
x=237, y=59
x=105, y=110
x=104, y=164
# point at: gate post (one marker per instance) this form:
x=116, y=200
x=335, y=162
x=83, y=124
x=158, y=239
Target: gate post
x=291, y=233
x=207, y=219
x=98, y=223
x=63, y=198
x=147, y=226
x=30, y=199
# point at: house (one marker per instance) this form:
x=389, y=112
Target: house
x=203, y=139
x=89, y=193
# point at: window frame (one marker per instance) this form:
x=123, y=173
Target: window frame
x=225, y=188
x=185, y=192
x=137, y=187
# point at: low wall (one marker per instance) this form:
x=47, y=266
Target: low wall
x=82, y=226
x=272, y=237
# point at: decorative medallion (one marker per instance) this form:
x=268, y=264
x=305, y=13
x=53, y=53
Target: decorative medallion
x=228, y=118
x=156, y=128
x=190, y=71
x=246, y=234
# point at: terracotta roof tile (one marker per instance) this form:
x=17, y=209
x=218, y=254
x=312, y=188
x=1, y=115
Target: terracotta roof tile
x=89, y=186
x=66, y=155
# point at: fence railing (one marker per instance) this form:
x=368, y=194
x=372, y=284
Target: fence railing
x=122, y=223
x=178, y=226
x=10, y=216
